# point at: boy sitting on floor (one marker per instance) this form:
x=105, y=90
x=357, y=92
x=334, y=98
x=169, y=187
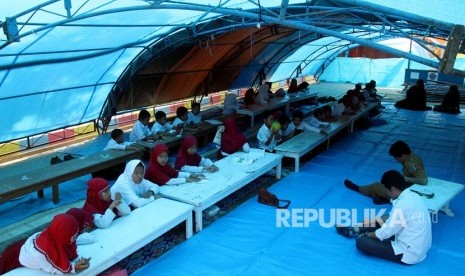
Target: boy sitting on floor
x=161, y=126
x=140, y=130
x=298, y=125
x=194, y=117
x=413, y=171
x=266, y=136
x=117, y=141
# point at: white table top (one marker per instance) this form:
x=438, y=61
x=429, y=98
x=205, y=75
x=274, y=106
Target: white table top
x=125, y=235
x=301, y=142
x=444, y=191
x=232, y=175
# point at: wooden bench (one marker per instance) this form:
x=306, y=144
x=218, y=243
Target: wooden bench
x=127, y=234
x=35, y=180
x=232, y=175
x=444, y=192
x=306, y=141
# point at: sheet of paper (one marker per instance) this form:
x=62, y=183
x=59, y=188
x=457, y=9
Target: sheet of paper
x=214, y=122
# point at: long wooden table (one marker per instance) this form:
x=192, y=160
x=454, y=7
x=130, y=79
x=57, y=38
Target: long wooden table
x=202, y=132
x=235, y=171
x=35, y=180
x=276, y=102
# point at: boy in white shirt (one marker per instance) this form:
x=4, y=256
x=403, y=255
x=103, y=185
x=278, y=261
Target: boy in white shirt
x=194, y=117
x=342, y=107
x=117, y=141
x=409, y=222
x=285, y=132
x=316, y=119
x=298, y=125
x=161, y=127
x=268, y=138
x=140, y=131
x=181, y=119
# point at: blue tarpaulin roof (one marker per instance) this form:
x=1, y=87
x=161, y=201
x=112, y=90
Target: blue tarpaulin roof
x=63, y=63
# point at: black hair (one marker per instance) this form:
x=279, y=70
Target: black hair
x=399, y=148
x=160, y=115
x=298, y=114
x=267, y=113
x=393, y=178
x=283, y=119
x=144, y=114
x=115, y=133
x=326, y=108
x=317, y=112
x=181, y=111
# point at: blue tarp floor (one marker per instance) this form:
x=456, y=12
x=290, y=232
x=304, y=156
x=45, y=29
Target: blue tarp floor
x=247, y=241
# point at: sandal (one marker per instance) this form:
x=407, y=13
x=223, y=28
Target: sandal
x=346, y=231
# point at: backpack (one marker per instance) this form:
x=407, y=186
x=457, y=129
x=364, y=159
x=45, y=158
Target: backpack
x=268, y=198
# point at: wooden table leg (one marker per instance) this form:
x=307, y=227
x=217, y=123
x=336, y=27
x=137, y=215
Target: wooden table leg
x=198, y=220
x=55, y=193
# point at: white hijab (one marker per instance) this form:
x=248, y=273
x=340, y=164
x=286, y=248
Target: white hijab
x=262, y=95
x=125, y=179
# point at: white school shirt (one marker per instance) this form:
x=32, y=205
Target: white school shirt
x=262, y=136
x=304, y=126
x=132, y=193
x=103, y=221
x=112, y=144
x=157, y=127
x=30, y=257
x=139, y=132
x=177, y=122
x=287, y=131
x=338, y=110
x=197, y=169
x=413, y=236
x=191, y=117
x=181, y=179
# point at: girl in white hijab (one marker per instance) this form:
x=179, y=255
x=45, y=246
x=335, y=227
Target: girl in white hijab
x=262, y=97
x=134, y=189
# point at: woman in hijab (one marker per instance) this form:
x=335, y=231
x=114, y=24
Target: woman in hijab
x=450, y=102
x=100, y=205
x=134, y=189
x=232, y=139
x=54, y=249
x=262, y=97
x=159, y=171
x=293, y=87
x=188, y=160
